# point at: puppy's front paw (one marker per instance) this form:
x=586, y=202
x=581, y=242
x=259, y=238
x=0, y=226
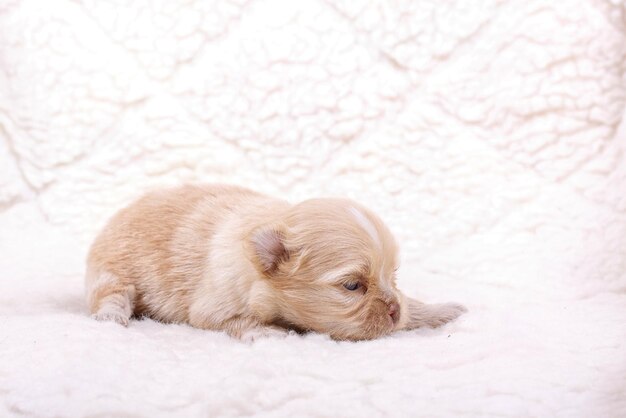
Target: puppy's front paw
x=257, y=333
x=433, y=316
x=442, y=313
x=117, y=317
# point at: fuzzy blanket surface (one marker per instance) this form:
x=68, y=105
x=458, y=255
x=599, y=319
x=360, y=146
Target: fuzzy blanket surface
x=489, y=135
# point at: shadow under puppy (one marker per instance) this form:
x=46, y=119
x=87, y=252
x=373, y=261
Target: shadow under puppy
x=227, y=258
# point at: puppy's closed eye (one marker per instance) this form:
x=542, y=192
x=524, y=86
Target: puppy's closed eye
x=352, y=286
x=355, y=284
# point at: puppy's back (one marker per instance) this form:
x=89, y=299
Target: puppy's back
x=158, y=244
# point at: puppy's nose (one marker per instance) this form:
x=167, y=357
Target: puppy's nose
x=394, y=312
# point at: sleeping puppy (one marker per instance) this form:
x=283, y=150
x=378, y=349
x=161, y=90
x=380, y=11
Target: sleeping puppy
x=227, y=258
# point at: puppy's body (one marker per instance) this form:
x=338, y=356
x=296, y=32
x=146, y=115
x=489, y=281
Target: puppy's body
x=227, y=258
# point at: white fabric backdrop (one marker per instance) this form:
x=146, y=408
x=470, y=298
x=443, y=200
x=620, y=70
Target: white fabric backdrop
x=488, y=134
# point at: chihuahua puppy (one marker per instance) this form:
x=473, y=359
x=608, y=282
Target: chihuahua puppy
x=227, y=258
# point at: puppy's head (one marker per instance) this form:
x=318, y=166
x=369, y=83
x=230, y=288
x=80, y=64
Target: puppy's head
x=332, y=263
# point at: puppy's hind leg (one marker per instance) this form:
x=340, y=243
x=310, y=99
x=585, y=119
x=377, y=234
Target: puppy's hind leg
x=109, y=298
x=425, y=315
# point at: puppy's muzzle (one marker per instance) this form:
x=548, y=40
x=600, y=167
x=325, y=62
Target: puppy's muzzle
x=394, y=312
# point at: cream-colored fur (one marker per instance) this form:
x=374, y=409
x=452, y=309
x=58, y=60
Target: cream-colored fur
x=226, y=258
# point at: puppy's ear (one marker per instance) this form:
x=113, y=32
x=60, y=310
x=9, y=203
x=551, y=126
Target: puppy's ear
x=269, y=248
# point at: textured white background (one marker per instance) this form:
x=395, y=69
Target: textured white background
x=490, y=135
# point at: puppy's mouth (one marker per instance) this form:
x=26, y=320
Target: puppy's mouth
x=392, y=322
x=388, y=319
x=377, y=329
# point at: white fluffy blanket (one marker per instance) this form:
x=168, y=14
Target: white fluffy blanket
x=488, y=134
